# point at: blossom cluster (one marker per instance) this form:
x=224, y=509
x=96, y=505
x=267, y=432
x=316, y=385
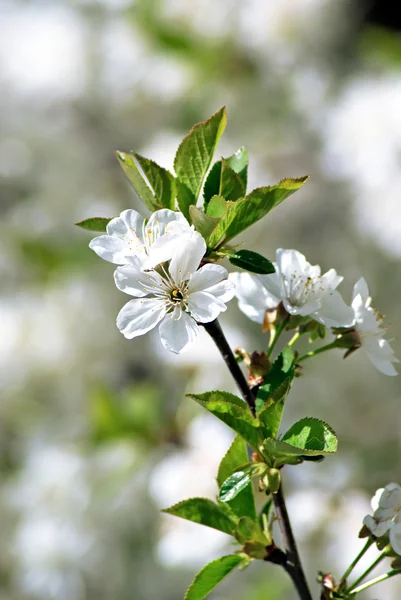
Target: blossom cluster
x=304, y=292
x=386, y=519
x=159, y=266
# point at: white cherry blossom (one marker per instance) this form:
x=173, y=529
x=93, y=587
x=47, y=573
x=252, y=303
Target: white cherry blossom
x=386, y=518
x=131, y=239
x=299, y=286
x=177, y=296
x=368, y=325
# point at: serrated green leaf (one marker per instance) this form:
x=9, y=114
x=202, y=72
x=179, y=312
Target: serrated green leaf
x=237, y=454
x=94, y=224
x=161, y=181
x=233, y=412
x=244, y=213
x=202, y=222
x=135, y=178
x=195, y=152
x=185, y=198
x=205, y=512
x=251, y=261
x=241, y=477
x=211, y=575
x=273, y=392
x=212, y=183
x=312, y=434
x=238, y=162
x=234, y=484
x=248, y=530
x=231, y=185
x=216, y=207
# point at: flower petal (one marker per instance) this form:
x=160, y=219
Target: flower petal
x=110, y=248
x=395, y=538
x=139, y=316
x=206, y=277
x=161, y=219
x=177, y=331
x=188, y=256
x=361, y=289
x=204, y=307
x=225, y=290
x=330, y=280
x=290, y=262
x=129, y=221
x=380, y=354
x=379, y=529
x=136, y=282
x=333, y=311
x=253, y=298
x=273, y=287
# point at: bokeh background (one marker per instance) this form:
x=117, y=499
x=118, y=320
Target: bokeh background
x=96, y=434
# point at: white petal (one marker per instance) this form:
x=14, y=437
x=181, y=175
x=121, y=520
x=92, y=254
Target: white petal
x=377, y=528
x=162, y=250
x=330, y=280
x=129, y=221
x=380, y=354
x=272, y=285
x=333, y=311
x=206, y=277
x=160, y=220
x=375, y=502
x=132, y=280
x=187, y=258
x=361, y=289
x=225, y=290
x=204, y=307
x=306, y=309
x=110, y=248
x=290, y=262
x=176, y=333
x=391, y=497
x=395, y=537
x=253, y=298
x=140, y=316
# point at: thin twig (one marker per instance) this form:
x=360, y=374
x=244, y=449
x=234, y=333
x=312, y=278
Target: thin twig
x=292, y=564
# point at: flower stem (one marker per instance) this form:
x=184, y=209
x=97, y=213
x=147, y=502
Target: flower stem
x=216, y=333
x=378, y=560
x=275, y=337
x=356, y=560
x=292, y=563
x=318, y=351
x=294, y=339
x=379, y=579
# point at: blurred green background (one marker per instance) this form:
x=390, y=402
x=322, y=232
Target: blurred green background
x=95, y=432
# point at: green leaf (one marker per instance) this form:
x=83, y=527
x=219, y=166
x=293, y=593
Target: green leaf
x=312, y=434
x=94, y=224
x=265, y=512
x=202, y=222
x=237, y=454
x=195, y=152
x=161, y=181
x=205, y=512
x=238, y=163
x=185, y=198
x=272, y=394
x=250, y=531
x=211, y=575
x=231, y=185
x=251, y=261
x=244, y=213
x=135, y=178
x=216, y=207
x=233, y=412
x=236, y=482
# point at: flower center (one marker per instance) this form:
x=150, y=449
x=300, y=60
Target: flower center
x=176, y=296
